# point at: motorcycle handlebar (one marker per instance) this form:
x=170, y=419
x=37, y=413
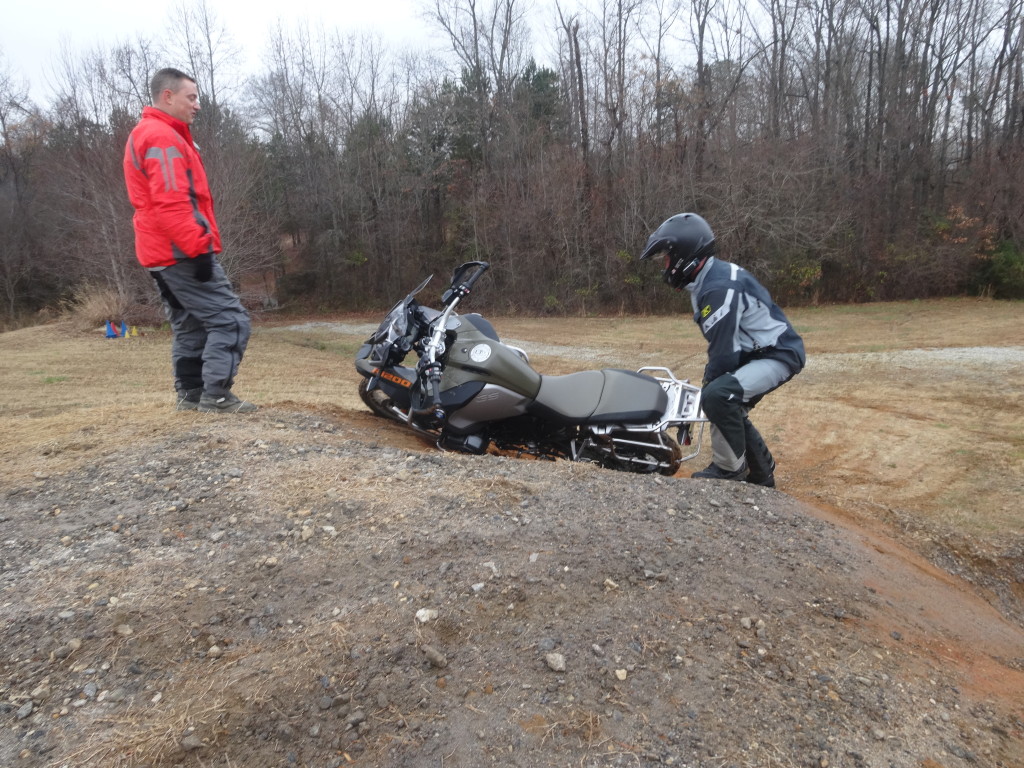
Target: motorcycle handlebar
x=459, y=287
x=481, y=267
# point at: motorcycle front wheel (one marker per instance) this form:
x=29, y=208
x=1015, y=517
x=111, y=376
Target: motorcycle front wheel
x=378, y=401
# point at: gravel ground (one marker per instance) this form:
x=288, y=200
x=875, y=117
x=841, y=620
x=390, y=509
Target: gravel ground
x=302, y=589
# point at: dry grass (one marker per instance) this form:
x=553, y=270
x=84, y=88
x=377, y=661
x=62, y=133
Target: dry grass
x=913, y=436
x=930, y=442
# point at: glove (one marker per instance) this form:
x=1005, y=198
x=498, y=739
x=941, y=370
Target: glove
x=203, y=265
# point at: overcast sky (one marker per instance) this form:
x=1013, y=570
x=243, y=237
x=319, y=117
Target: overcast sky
x=32, y=32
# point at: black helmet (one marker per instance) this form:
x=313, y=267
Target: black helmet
x=686, y=241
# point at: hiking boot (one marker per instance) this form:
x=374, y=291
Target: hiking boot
x=714, y=472
x=226, y=403
x=188, y=399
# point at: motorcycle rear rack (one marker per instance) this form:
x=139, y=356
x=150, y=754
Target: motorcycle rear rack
x=683, y=411
x=684, y=407
x=684, y=397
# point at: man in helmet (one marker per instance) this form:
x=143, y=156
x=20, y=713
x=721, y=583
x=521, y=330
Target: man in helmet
x=752, y=347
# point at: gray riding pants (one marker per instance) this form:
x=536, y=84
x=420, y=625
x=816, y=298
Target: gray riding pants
x=727, y=400
x=209, y=324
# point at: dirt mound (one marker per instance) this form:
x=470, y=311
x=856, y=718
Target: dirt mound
x=311, y=587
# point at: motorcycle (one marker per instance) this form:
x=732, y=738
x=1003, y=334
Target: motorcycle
x=470, y=392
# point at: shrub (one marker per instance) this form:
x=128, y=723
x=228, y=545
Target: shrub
x=91, y=306
x=1002, y=274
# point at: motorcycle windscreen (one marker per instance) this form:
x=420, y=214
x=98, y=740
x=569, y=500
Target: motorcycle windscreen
x=394, y=326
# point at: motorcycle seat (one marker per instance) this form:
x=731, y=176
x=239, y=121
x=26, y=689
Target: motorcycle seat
x=608, y=396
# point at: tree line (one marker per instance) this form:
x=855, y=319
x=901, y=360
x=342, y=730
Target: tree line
x=843, y=150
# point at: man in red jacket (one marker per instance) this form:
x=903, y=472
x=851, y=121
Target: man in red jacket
x=176, y=239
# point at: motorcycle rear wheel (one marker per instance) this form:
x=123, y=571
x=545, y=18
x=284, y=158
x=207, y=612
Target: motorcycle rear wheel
x=626, y=455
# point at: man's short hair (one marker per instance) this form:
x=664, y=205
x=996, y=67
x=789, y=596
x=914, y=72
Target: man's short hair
x=165, y=79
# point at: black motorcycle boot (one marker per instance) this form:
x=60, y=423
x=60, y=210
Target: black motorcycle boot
x=715, y=472
x=759, y=458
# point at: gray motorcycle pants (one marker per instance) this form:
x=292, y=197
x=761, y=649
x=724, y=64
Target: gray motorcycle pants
x=728, y=399
x=210, y=327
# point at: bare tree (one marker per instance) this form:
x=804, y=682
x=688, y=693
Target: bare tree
x=206, y=44
x=19, y=136
x=845, y=148
x=489, y=44
x=572, y=73
x=84, y=198
x=666, y=14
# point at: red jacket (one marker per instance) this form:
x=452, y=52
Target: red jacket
x=167, y=186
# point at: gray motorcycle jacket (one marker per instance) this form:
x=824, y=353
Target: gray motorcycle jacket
x=740, y=321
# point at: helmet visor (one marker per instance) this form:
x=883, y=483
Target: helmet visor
x=655, y=248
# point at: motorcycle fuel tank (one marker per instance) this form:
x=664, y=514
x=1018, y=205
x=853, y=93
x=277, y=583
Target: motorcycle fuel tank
x=476, y=356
